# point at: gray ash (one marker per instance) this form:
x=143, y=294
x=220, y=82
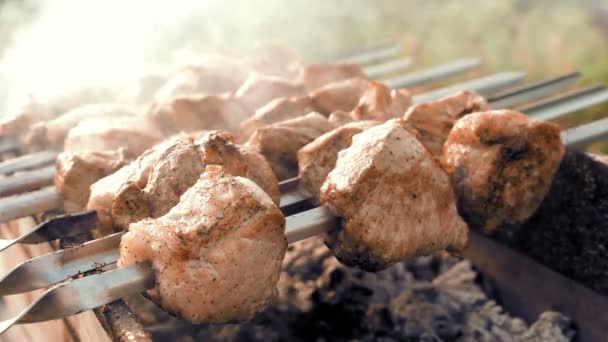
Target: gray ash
x=569, y=232
x=425, y=299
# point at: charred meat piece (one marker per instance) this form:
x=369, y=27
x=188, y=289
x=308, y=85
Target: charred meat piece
x=380, y=103
x=318, y=158
x=196, y=112
x=217, y=253
x=280, y=142
x=135, y=133
x=153, y=183
x=502, y=164
x=315, y=76
x=76, y=172
x=51, y=134
x=276, y=110
x=339, y=96
x=394, y=199
x=434, y=120
x=260, y=89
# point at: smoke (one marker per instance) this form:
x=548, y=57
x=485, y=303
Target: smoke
x=66, y=44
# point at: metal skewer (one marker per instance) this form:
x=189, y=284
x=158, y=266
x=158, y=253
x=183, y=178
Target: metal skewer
x=380, y=70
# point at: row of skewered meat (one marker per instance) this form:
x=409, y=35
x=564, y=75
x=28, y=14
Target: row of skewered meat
x=201, y=203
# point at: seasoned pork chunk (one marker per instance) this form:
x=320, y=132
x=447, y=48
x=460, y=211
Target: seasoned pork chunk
x=103, y=191
x=280, y=142
x=318, y=158
x=434, y=120
x=51, y=134
x=315, y=76
x=136, y=134
x=195, y=112
x=380, y=103
x=216, y=254
x=260, y=89
x=502, y=164
x=276, y=110
x=339, y=96
x=155, y=181
x=76, y=172
x=394, y=199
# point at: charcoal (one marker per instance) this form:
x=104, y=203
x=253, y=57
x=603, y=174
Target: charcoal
x=425, y=299
x=569, y=232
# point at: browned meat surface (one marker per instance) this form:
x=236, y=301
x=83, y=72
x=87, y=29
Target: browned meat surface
x=380, y=103
x=195, y=112
x=394, y=199
x=502, y=164
x=136, y=134
x=315, y=76
x=339, y=96
x=76, y=172
x=217, y=253
x=276, y=110
x=280, y=142
x=434, y=120
x=171, y=169
x=318, y=158
x=104, y=190
x=260, y=89
x=51, y=134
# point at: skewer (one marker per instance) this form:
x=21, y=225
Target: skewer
x=28, y=161
x=27, y=180
x=380, y=70
x=57, y=228
x=371, y=56
x=299, y=226
x=573, y=102
x=8, y=145
x=22, y=205
x=433, y=74
x=581, y=136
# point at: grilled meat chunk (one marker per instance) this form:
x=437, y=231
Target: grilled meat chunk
x=394, y=199
x=434, y=120
x=502, y=164
x=153, y=183
x=318, y=158
x=260, y=89
x=339, y=96
x=280, y=142
x=51, y=134
x=276, y=110
x=136, y=134
x=217, y=253
x=196, y=112
x=380, y=103
x=103, y=191
x=315, y=76
x=76, y=172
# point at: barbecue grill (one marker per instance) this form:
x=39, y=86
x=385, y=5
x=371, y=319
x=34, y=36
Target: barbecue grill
x=27, y=192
